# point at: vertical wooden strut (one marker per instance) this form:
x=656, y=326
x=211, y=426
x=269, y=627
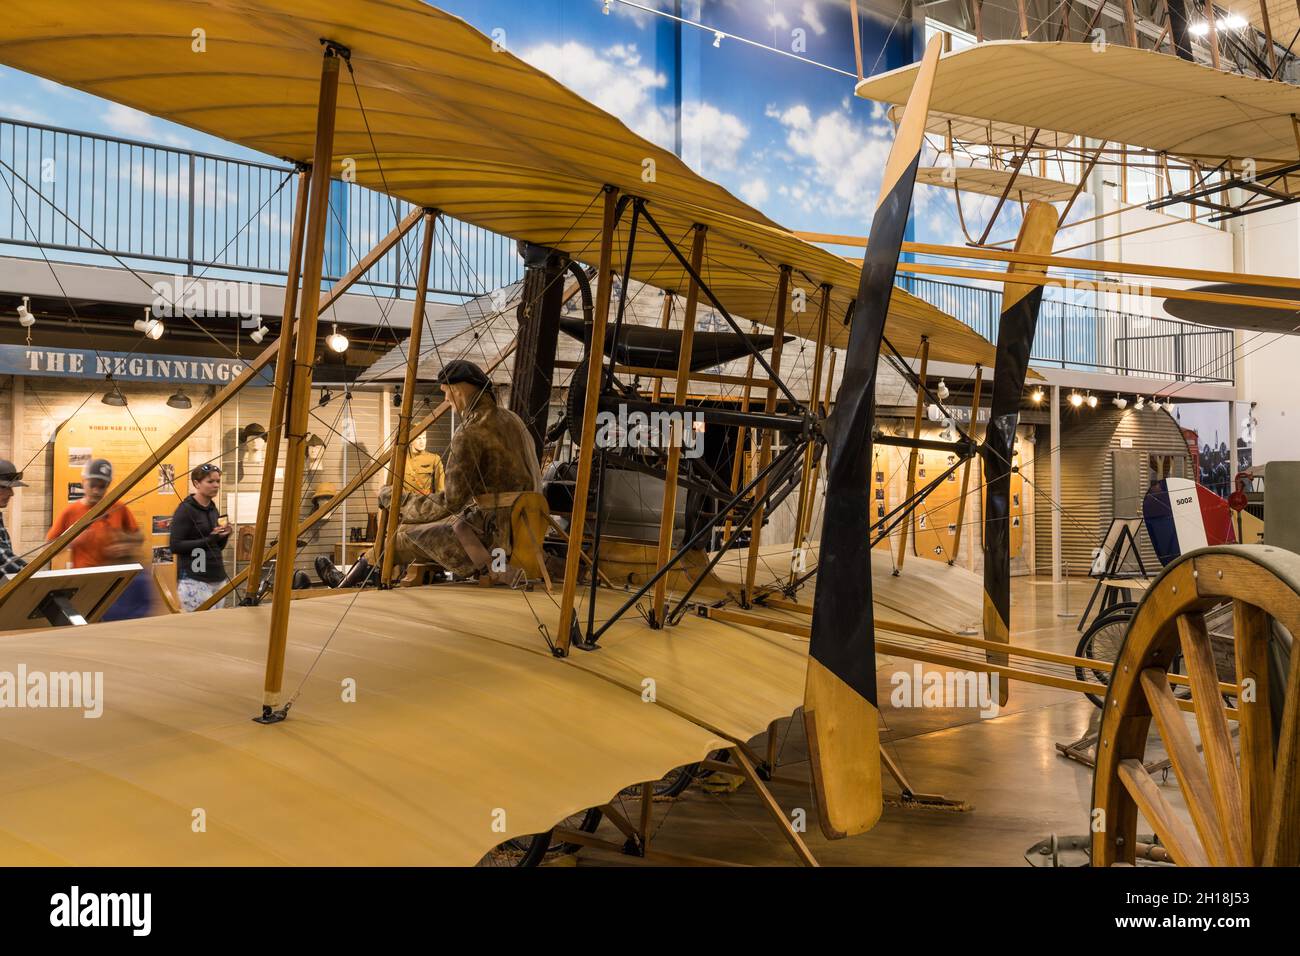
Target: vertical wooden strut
x=965, y=469
x=397, y=475
x=1268, y=36
x=1213, y=37
x=840, y=716
x=911, y=459
x=595, y=370
x=805, y=490
x=806, y=519
x=283, y=365
x=1130, y=24
x=1015, y=338
x=299, y=399
x=738, y=459
x=765, y=451
x=669, y=515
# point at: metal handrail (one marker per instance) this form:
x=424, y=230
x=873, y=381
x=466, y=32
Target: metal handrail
x=153, y=203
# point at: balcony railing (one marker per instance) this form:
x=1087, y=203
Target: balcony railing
x=1077, y=336
x=103, y=198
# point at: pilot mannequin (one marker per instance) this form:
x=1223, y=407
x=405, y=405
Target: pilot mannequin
x=424, y=471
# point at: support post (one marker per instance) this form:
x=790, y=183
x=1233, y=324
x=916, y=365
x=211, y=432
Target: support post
x=668, y=517
x=738, y=459
x=809, y=456
x=911, y=458
x=397, y=473
x=595, y=369
x=1054, y=436
x=538, y=316
x=299, y=399
x=806, y=518
x=283, y=367
x=765, y=452
x=965, y=472
x=1016, y=325
x=1212, y=36
x=1268, y=37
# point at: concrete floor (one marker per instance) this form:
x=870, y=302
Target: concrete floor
x=1007, y=767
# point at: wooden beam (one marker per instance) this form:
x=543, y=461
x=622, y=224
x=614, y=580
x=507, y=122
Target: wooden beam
x=298, y=406
x=965, y=470
x=1268, y=36
x=595, y=371
x=987, y=254
x=668, y=516
x=283, y=365
x=765, y=451
x=773, y=808
x=809, y=455
x=1191, y=295
x=805, y=520
x=857, y=37
x=397, y=478
x=911, y=460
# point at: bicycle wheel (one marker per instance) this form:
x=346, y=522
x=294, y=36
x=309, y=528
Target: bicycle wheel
x=534, y=849
x=1102, y=642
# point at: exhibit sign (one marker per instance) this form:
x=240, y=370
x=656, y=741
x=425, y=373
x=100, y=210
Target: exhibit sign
x=126, y=437
x=123, y=366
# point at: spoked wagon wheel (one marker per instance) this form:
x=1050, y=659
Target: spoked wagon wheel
x=1245, y=812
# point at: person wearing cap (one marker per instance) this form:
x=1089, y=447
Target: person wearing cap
x=10, y=478
x=198, y=536
x=489, y=462
x=113, y=537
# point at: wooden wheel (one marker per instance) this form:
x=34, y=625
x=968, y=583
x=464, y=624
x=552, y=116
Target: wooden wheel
x=1244, y=811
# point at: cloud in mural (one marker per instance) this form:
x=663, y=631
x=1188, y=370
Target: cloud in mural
x=755, y=191
x=720, y=136
x=841, y=160
x=617, y=81
x=812, y=17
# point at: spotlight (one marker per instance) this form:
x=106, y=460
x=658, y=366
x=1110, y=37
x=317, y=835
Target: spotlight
x=934, y=413
x=325, y=396
x=1120, y=403
x=397, y=397
x=942, y=391
x=1092, y=401
x=179, y=400
x=337, y=341
x=717, y=38
x=150, y=326
x=1036, y=396
x=25, y=317
x=605, y=9
x=1076, y=399
x=114, y=396
x=258, y=334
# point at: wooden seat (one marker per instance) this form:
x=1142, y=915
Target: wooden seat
x=529, y=519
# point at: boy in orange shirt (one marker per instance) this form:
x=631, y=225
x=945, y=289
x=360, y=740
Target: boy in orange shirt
x=113, y=537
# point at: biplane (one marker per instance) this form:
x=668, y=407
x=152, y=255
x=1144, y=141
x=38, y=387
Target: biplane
x=478, y=719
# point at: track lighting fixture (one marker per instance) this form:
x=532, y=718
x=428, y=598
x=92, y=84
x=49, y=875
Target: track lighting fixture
x=1036, y=396
x=1092, y=400
x=1076, y=399
x=179, y=400
x=717, y=38
x=942, y=391
x=151, y=327
x=337, y=341
x=325, y=396
x=25, y=317
x=258, y=334
x=1120, y=403
x=605, y=8
x=1140, y=403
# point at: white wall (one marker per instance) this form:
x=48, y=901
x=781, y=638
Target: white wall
x=1269, y=244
